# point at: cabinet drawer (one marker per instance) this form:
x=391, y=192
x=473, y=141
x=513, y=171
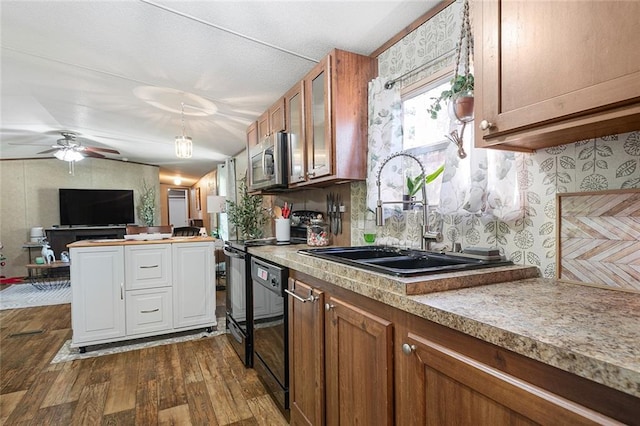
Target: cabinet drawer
x=149, y=311
x=147, y=266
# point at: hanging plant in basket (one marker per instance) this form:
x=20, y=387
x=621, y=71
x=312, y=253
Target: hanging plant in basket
x=460, y=96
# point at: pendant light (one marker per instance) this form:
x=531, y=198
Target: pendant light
x=184, y=144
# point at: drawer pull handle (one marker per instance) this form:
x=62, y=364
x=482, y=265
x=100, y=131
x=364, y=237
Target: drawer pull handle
x=151, y=311
x=149, y=267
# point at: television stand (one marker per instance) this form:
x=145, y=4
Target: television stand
x=59, y=237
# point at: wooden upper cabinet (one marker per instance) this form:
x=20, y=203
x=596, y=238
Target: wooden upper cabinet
x=319, y=152
x=335, y=109
x=252, y=135
x=295, y=125
x=549, y=73
x=271, y=121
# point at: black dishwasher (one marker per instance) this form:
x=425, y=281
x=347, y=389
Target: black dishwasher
x=270, y=328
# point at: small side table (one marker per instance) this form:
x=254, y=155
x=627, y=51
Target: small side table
x=30, y=246
x=49, y=275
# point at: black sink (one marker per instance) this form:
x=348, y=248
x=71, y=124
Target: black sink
x=401, y=262
x=359, y=253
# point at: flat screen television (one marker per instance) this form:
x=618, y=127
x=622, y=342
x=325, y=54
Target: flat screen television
x=94, y=207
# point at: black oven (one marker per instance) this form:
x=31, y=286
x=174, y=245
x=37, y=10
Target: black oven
x=238, y=295
x=270, y=328
x=257, y=310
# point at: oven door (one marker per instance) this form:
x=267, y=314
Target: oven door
x=238, y=297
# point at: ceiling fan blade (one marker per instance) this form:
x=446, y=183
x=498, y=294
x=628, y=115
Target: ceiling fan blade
x=96, y=149
x=88, y=153
x=28, y=144
x=48, y=151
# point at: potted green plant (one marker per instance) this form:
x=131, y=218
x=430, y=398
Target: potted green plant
x=415, y=184
x=147, y=207
x=248, y=214
x=459, y=97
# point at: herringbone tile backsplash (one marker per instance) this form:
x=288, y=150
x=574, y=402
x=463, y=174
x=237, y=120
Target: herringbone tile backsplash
x=599, y=236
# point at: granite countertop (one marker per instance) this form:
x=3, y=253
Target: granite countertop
x=588, y=331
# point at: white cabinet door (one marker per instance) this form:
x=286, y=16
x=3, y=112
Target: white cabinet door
x=147, y=266
x=149, y=310
x=194, y=286
x=97, y=287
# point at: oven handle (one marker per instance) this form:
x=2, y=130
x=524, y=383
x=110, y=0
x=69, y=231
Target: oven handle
x=233, y=254
x=311, y=297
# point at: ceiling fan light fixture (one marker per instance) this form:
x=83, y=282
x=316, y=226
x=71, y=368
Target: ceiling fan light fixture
x=68, y=155
x=184, y=144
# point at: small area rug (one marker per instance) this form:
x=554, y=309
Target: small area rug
x=27, y=296
x=66, y=353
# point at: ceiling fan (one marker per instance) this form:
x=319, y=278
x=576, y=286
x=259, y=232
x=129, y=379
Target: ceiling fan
x=70, y=149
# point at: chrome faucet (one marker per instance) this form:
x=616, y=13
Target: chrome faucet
x=427, y=235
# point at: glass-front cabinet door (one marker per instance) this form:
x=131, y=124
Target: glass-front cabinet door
x=294, y=107
x=319, y=141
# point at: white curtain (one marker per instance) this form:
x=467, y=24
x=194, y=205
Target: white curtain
x=484, y=183
x=385, y=138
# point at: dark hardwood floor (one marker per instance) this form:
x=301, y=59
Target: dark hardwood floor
x=200, y=382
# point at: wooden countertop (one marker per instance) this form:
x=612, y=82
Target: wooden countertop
x=123, y=242
x=587, y=331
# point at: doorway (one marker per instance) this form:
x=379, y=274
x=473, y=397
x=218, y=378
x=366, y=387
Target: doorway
x=178, y=207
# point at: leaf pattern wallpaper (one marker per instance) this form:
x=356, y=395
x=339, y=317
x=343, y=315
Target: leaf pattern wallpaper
x=529, y=238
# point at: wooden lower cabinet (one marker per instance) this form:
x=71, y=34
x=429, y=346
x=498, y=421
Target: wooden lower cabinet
x=340, y=360
x=359, y=365
x=306, y=353
x=358, y=361
x=449, y=388
x=445, y=377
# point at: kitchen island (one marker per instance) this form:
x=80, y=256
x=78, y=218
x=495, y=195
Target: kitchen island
x=129, y=289
x=578, y=346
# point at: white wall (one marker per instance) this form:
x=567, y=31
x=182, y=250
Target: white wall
x=29, y=196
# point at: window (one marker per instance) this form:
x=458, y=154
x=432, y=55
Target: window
x=423, y=136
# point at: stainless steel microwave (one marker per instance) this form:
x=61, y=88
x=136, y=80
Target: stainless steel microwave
x=268, y=163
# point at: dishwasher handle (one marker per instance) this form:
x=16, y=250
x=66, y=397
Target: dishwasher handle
x=311, y=298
